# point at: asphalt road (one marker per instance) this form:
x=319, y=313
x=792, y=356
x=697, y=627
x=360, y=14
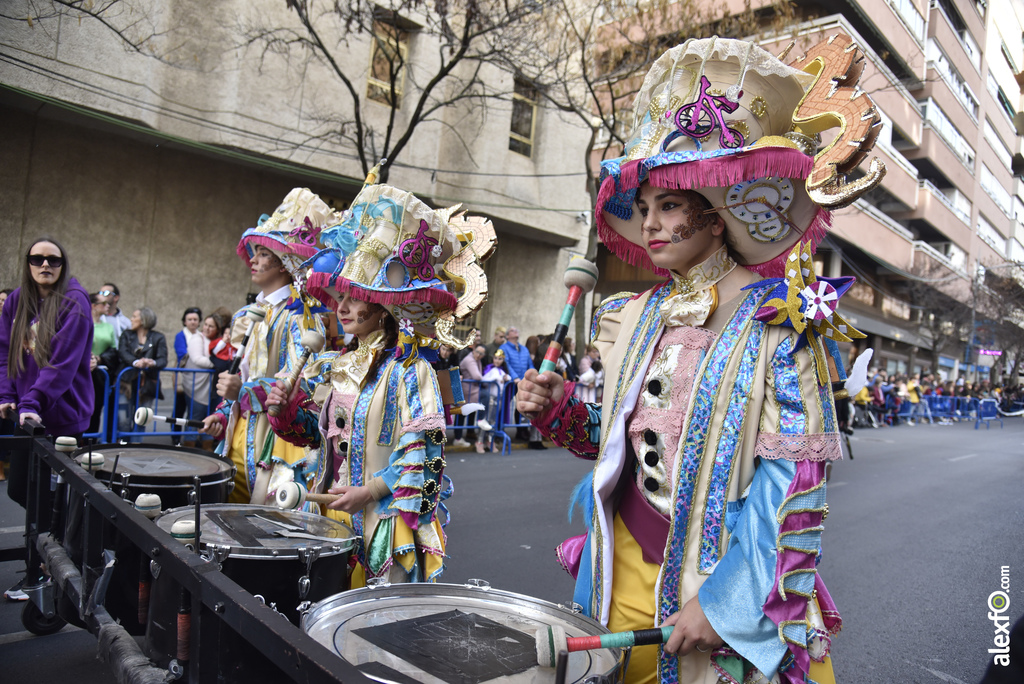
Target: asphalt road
x=921, y=523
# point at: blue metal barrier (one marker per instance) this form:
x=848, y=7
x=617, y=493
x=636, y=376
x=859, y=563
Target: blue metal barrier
x=493, y=400
x=942, y=407
x=966, y=407
x=126, y=427
x=102, y=435
x=508, y=413
x=988, y=410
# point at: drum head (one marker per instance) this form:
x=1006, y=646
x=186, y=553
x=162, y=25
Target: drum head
x=262, y=531
x=451, y=634
x=157, y=466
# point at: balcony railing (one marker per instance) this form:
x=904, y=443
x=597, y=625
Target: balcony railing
x=920, y=246
x=884, y=219
x=941, y=196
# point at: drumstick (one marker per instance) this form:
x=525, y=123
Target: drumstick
x=293, y=495
x=255, y=315
x=551, y=640
x=312, y=343
x=144, y=416
x=580, y=277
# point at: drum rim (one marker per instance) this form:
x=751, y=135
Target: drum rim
x=282, y=553
x=368, y=595
x=226, y=472
x=139, y=482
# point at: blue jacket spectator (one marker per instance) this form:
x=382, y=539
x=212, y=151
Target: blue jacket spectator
x=517, y=356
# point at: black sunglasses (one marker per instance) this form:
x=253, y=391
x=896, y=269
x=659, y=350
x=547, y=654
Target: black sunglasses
x=38, y=259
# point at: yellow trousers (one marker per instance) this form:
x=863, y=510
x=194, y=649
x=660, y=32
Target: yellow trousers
x=634, y=583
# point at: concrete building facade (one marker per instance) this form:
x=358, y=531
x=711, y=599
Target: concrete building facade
x=148, y=168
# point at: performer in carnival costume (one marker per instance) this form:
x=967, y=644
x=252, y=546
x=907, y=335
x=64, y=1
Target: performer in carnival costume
x=399, y=275
x=706, y=503
x=275, y=249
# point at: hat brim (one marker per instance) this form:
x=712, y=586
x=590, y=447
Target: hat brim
x=250, y=239
x=618, y=223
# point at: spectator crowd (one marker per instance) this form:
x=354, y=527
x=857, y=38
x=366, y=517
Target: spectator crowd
x=889, y=399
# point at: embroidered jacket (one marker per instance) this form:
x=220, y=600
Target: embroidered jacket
x=272, y=352
x=749, y=476
x=397, y=435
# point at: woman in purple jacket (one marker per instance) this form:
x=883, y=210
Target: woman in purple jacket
x=45, y=349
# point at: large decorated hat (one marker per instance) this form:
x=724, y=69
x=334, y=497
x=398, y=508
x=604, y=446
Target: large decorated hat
x=292, y=231
x=733, y=122
x=422, y=264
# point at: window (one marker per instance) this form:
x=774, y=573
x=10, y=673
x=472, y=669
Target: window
x=995, y=190
x=988, y=233
x=1007, y=57
x=388, y=54
x=910, y=16
x=998, y=95
x=524, y=116
x=937, y=119
x=997, y=145
x=938, y=60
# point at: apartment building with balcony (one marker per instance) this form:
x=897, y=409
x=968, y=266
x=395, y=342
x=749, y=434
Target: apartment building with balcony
x=149, y=169
x=942, y=75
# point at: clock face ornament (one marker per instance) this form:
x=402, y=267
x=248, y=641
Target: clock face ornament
x=762, y=205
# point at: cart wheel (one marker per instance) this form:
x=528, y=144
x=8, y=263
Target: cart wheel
x=37, y=623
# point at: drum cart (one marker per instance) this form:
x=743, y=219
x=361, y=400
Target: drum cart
x=217, y=605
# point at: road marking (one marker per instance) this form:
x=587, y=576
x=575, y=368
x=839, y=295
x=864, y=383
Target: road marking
x=948, y=678
x=15, y=637
x=12, y=530
x=960, y=458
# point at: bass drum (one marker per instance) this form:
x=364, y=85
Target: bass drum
x=436, y=633
x=283, y=557
x=141, y=469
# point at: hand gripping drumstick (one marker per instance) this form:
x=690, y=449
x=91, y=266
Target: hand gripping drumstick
x=292, y=495
x=255, y=315
x=144, y=416
x=312, y=343
x=553, y=639
x=580, y=277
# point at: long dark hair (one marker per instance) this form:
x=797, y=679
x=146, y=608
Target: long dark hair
x=390, y=340
x=30, y=308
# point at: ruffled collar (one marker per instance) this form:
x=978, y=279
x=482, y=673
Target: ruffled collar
x=352, y=367
x=694, y=296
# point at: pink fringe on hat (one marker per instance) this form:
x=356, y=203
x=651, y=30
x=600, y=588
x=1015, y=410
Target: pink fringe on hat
x=717, y=172
x=319, y=282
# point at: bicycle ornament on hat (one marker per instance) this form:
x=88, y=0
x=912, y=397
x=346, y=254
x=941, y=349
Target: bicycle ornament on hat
x=733, y=122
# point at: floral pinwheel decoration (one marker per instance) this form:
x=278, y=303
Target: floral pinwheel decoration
x=807, y=304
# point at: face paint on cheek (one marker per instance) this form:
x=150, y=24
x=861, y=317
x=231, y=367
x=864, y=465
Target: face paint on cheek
x=696, y=220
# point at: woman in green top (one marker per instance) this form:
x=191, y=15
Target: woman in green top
x=104, y=353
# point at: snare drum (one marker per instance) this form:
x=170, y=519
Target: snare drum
x=284, y=557
x=164, y=470
x=152, y=469
x=436, y=633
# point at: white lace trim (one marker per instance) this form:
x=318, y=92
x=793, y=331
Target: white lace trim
x=823, y=446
